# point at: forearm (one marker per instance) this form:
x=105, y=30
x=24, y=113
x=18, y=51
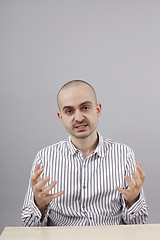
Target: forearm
x=137, y=213
x=32, y=216
x=41, y=209
x=30, y=213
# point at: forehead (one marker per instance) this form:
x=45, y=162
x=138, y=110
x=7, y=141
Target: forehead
x=75, y=95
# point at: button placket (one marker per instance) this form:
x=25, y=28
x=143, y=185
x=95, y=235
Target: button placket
x=84, y=185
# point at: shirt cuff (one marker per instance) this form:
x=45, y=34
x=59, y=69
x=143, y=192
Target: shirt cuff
x=35, y=210
x=136, y=207
x=37, y=213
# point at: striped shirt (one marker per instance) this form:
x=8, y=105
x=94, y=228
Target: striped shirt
x=90, y=197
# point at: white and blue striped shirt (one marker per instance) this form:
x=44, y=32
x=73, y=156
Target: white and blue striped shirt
x=90, y=197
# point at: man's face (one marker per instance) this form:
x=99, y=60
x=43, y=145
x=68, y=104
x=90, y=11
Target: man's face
x=78, y=110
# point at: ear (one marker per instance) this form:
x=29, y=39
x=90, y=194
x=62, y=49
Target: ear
x=59, y=116
x=98, y=109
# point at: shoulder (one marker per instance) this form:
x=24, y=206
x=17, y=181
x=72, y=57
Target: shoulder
x=48, y=155
x=53, y=148
x=116, y=146
x=119, y=152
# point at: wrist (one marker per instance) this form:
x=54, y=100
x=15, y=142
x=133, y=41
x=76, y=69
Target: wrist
x=130, y=203
x=41, y=208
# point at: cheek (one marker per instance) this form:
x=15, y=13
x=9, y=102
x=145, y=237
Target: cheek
x=67, y=120
x=96, y=114
x=93, y=119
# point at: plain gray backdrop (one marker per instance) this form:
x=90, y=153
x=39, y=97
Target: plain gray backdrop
x=114, y=45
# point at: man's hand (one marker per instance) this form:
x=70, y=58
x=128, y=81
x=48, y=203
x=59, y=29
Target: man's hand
x=131, y=194
x=41, y=193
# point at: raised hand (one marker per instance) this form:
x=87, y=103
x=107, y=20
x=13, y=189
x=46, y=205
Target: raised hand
x=131, y=194
x=41, y=193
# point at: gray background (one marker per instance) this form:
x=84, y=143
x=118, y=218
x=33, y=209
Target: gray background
x=114, y=45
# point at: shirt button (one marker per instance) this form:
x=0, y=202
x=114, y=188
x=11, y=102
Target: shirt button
x=90, y=218
x=83, y=206
x=84, y=187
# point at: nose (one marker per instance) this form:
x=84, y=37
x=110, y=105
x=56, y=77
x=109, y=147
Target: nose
x=78, y=116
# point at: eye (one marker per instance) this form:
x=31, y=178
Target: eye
x=69, y=111
x=85, y=108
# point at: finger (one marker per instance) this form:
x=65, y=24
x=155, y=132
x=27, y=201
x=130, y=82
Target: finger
x=129, y=182
x=36, y=176
x=121, y=190
x=37, y=167
x=49, y=188
x=38, y=187
x=141, y=172
x=138, y=181
x=55, y=195
x=139, y=167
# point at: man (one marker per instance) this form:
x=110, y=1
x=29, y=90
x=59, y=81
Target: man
x=86, y=179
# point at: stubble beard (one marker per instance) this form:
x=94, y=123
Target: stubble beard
x=79, y=136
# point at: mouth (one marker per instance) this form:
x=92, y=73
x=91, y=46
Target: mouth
x=81, y=127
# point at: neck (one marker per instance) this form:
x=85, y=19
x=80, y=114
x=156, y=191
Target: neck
x=86, y=145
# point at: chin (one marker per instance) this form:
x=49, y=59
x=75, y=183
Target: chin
x=81, y=135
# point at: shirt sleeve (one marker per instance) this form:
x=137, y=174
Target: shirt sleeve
x=30, y=213
x=138, y=212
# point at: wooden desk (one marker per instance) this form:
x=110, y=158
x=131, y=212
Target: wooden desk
x=123, y=232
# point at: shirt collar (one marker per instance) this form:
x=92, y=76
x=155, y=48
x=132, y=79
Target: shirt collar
x=71, y=147
x=100, y=149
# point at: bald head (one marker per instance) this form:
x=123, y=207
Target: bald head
x=72, y=84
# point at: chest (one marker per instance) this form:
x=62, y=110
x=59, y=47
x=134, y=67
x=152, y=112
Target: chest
x=96, y=175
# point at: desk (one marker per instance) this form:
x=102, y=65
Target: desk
x=120, y=232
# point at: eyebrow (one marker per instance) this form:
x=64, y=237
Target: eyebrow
x=86, y=102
